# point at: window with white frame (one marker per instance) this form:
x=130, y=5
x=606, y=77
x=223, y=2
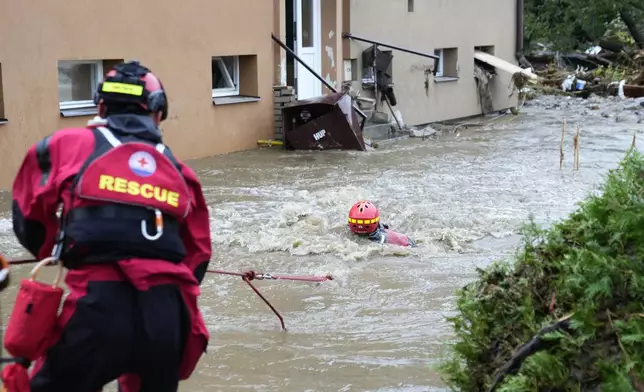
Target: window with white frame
x=225, y=76
x=447, y=67
x=77, y=82
x=439, y=63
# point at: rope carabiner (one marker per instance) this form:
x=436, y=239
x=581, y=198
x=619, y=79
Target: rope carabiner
x=159, y=224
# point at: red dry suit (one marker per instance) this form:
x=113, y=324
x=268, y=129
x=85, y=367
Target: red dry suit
x=137, y=244
x=384, y=235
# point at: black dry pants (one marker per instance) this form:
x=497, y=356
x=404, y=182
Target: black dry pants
x=115, y=330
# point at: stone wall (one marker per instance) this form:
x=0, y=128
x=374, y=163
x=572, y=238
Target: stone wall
x=282, y=96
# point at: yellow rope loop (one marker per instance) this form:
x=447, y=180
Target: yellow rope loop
x=44, y=262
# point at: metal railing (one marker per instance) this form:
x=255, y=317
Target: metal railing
x=378, y=43
x=318, y=76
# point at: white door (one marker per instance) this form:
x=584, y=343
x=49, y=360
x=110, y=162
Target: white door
x=309, y=47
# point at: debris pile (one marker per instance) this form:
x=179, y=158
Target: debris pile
x=567, y=314
x=598, y=71
x=482, y=77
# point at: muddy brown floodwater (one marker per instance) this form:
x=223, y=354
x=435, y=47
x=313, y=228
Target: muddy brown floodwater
x=380, y=325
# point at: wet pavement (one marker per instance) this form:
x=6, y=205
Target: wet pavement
x=380, y=325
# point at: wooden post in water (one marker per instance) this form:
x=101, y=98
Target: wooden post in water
x=634, y=140
x=576, y=149
x=561, y=153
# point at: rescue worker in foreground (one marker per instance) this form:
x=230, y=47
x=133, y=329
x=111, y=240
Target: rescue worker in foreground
x=134, y=235
x=364, y=220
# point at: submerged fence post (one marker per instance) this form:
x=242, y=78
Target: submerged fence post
x=576, y=149
x=561, y=144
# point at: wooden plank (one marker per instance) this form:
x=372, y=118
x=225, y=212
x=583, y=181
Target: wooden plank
x=632, y=91
x=502, y=64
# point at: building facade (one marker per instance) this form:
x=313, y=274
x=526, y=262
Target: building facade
x=450, y=29
x=312, y=29
x=214, y=58
x=220, y=66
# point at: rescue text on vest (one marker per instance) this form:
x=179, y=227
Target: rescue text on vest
x=134, y=188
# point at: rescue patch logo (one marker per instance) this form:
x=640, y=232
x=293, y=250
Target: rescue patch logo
x=142, y=164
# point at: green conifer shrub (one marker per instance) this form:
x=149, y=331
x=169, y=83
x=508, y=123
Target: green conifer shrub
x=591, y=266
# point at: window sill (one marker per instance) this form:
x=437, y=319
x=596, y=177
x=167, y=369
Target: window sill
x=79, y=112
x=234, y=99
x=3, y=121
x=445, y=79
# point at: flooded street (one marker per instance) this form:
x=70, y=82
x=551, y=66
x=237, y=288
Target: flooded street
x=380, y=325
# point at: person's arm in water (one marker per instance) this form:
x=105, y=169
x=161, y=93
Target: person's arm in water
x=195, y=231
x=35, y=198
x=379, y=235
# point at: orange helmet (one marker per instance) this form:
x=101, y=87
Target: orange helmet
x=132, y=83
x=363, y=217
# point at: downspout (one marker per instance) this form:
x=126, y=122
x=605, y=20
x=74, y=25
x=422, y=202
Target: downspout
x=520, y=17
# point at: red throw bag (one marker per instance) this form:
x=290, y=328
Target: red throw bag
x=34, y=315
x=15, y=378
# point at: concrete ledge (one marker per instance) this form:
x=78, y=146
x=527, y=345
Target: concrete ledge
x=377, y=131
x=383, y=142
x=445, y=79
x=90, y=111
x=234, y=99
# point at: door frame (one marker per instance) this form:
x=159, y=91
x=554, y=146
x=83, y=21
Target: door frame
x=317, y=40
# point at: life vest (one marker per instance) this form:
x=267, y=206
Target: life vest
x=128, y=200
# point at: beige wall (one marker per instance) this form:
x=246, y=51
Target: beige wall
x=437, y=24
x=279, y=55
x=175, y=39
x=332, y=43
x=178, y=40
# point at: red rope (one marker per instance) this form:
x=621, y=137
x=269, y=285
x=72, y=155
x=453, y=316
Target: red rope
x=257, y=276
x=246, y=277
x=19, y=262
x=277, y=313
x=252, y=275
x=300, y=278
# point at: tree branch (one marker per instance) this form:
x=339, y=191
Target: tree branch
x=631, y=24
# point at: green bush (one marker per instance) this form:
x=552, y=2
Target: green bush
x=591, y=266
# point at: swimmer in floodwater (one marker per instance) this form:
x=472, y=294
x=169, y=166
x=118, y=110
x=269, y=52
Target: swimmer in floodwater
x=364, y=220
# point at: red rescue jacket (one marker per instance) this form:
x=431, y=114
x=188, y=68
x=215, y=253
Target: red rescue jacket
x=45, y=179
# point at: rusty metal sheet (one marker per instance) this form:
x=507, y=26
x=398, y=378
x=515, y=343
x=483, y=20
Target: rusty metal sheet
x=632, y=91
x=328, y=122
